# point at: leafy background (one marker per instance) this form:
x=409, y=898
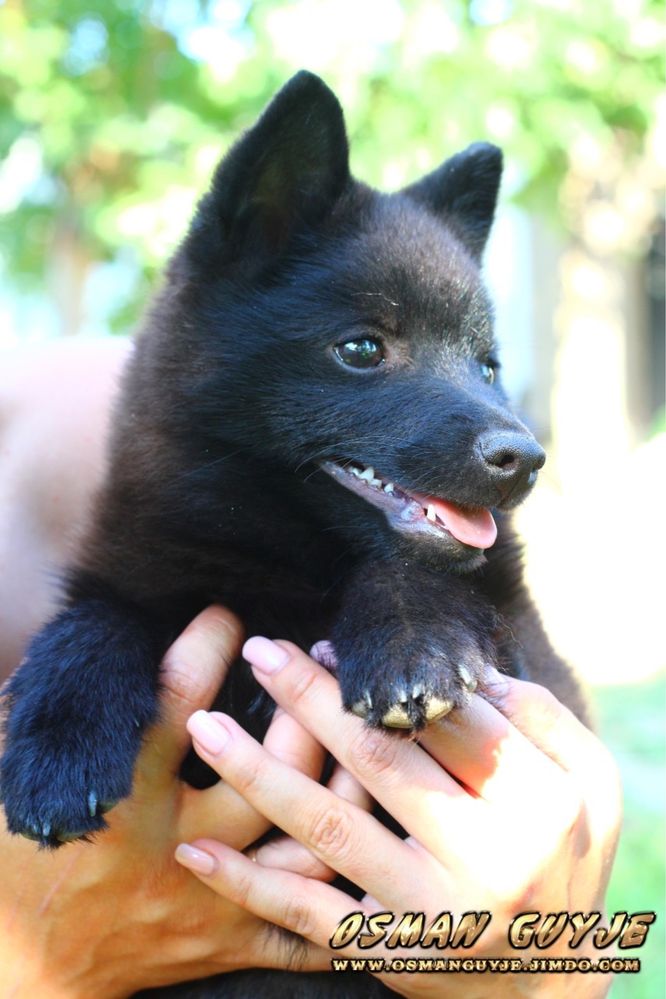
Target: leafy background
x=113, y=113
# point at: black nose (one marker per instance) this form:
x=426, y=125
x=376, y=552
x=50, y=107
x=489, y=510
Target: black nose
x=512, y=460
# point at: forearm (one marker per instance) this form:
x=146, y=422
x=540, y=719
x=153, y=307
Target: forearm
x=53, y=455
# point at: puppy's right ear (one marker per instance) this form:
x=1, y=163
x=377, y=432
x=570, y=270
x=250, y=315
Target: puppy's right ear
x=282, y=177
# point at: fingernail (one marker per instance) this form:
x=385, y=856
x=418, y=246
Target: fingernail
x=208, y=732
x=324, y=654
x=265, y=655
x=195, y=860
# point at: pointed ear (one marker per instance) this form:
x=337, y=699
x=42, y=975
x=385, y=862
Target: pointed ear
x=284, y=174
x=464, y=189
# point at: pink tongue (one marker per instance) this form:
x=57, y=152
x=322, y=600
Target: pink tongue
x=473, y=527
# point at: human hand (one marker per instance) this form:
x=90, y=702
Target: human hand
x=110, y=918
x=509, y=806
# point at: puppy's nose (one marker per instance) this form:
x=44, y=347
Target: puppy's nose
x=512, y=460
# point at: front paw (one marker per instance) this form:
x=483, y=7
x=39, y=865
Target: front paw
x=56, y=788
x=406, y=681
x=76, y=711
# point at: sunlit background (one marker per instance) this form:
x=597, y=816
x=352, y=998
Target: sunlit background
x=112, y=116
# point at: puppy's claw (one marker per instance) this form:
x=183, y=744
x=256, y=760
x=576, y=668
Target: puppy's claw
x=397, y=717
x=437, y=707
x=68, y=836
x=45, y=834
x=97, y=807
x=468, y=680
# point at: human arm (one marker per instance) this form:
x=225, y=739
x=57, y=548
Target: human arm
x=55, y=403
x=111, y=917
x=116, y=915
x=507, y=810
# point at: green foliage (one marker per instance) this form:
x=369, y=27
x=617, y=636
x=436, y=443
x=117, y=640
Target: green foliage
x=110, y=121
x=631, y=723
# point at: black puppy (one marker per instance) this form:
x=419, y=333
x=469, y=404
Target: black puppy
x=312, y=432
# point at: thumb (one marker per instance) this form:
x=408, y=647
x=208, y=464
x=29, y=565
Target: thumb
x=193, y=670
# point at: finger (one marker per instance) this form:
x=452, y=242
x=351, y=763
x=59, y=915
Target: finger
x=290, y=855
x=569, y=774
x=308, y=908
x=551, y=726
x=324, y=654
x=294, y=745
x=339, y=834
x=220, y=812
x=485, y=751
x=277, y=950
x=193, y=671
x=397, y=772
x=266, y=949
x=477, y=744
x=346, y=786
x=545, y=721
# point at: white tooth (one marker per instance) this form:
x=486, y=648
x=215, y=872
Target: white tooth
x=376, y=482
x=430, y=513
x=388, y=488
x=356, y=472
x=368, y=474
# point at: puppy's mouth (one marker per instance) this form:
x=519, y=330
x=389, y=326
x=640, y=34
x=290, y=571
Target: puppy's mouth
x=411, y=512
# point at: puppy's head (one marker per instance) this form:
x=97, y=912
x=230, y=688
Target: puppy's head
x=343, y=338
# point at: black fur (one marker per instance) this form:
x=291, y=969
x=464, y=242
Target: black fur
x=216, y=492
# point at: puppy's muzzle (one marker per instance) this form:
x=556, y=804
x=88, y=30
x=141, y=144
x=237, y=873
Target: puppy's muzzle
x=511, y=461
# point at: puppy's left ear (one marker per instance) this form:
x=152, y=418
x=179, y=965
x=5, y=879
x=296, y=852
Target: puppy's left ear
x=464, y=190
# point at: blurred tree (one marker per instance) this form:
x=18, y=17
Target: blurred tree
x=112, y=114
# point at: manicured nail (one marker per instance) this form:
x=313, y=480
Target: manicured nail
x=265, y=655
x=196, y=860
x=324, y=653
x=208, y=732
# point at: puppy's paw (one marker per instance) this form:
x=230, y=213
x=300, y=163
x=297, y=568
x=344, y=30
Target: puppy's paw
x=416, y=707
x=407, y=683
x=76, y=710
x=54, y=793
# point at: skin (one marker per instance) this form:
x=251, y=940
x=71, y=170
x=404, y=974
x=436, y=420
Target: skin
x=554, y=856
x=109, y=920
x=54, y=415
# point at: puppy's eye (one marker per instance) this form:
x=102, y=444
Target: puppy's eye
x=488, y=369
x=365, y=353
